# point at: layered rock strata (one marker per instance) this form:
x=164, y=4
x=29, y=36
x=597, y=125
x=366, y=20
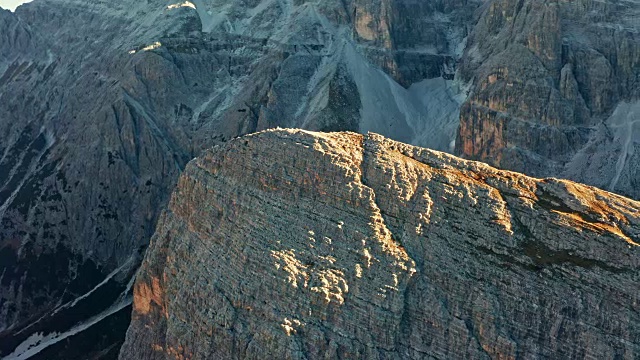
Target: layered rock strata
x=298, y=245
x=102, y=104
x=556, y=91
x=97, y=124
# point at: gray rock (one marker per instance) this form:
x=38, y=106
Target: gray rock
x=297, y=245
x=550, y=78
x=103, y=103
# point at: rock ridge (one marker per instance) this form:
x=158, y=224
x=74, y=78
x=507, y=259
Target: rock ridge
x=295, y=244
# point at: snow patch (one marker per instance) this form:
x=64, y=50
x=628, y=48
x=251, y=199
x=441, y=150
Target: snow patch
x=103, y=282
x=188, y=4
x=38, y=342
x=32, y=342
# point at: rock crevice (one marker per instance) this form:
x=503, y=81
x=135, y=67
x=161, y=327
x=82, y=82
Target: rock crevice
x=302, y=245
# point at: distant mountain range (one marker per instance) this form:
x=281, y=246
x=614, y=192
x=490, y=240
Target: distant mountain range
x=104, y=103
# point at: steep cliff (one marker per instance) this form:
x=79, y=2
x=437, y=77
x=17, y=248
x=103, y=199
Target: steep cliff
x=556, y=90
x=102, y=104
x=295, y=245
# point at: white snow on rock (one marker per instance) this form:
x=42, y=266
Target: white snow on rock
x=32, y=342
x=38, y=342
x=180, y=5
x=110, y=276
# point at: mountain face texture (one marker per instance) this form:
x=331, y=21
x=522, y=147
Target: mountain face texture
x=290, y=244
x=556, y=91
x=103, y=103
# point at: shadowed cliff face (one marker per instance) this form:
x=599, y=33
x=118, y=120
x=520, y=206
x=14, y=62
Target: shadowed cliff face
x=103, y=103
x=292, y=244
x=556, y=88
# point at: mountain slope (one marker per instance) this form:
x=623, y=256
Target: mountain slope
x=96, y=126
x=556, y=91
x=294, y=244
x=103, y=103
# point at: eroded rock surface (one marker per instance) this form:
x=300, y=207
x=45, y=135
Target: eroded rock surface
x=556, y=91
x=299, y=245
x=103, y=103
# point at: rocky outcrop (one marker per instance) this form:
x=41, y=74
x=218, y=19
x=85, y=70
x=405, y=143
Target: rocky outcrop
x=97, y=124
x=15, y=41
x=555, y=90
x=292, y=244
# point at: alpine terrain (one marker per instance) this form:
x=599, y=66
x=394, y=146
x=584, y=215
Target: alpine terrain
x=366, y=248
x=104, y=103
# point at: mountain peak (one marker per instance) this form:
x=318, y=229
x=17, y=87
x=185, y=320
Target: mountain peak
x=363, y=247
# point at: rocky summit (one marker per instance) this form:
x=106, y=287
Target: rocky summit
x=104, y=102
x=290, y=244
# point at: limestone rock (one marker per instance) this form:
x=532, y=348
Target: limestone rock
x=103, y=103
x=299, y=245
x=555, y=88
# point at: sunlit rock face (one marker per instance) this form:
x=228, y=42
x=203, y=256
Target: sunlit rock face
x=103, y=103
x=556, y=91
x=296, y=245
